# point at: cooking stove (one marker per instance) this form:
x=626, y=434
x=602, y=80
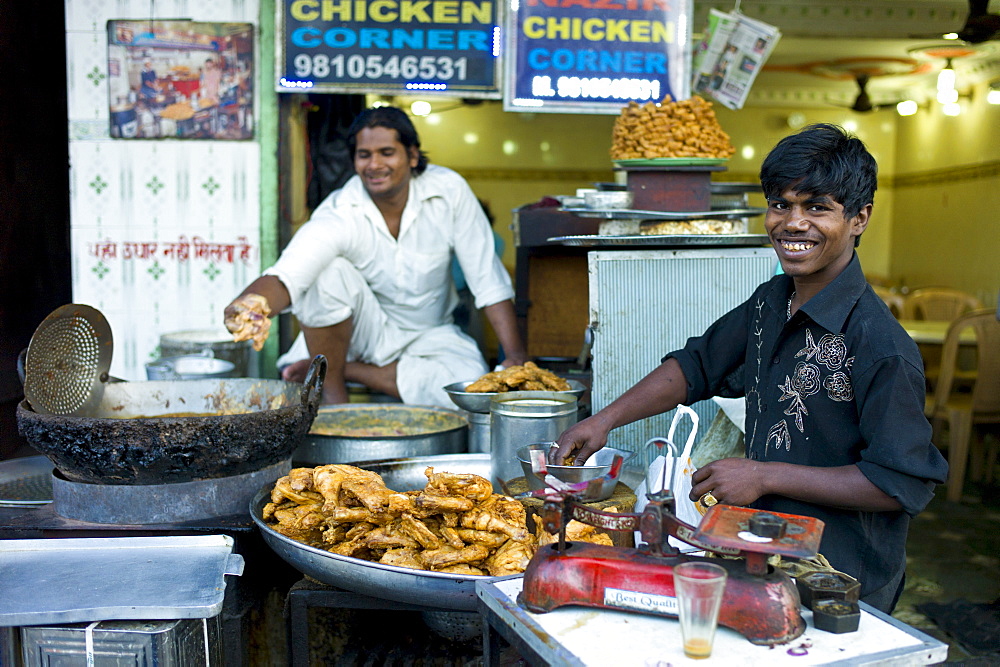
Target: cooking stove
x=760, y=601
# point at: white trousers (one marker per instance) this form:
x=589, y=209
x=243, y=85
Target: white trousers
x=428, y=359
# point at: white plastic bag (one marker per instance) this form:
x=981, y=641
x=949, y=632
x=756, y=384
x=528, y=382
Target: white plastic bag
x=679, y=470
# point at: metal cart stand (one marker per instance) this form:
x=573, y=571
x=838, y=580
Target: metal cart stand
x=582, y=636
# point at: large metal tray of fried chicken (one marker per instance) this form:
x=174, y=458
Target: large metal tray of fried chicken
x=430, y=589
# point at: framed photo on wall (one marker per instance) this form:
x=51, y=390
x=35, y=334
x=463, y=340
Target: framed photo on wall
x=180, y=80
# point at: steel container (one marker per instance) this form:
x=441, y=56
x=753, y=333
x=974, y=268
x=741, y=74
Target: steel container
x=423, y=430
x=158, y=643
x=432, y=589
x=189, y=367
x=521, y=418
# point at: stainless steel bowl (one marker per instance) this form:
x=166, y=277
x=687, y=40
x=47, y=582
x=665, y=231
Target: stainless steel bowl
x=432, y=589
x=426, y=430
x=598, y=465
x=620, y=199
x=480, y=401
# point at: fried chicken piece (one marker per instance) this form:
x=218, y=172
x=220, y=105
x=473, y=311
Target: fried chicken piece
x=337, y=533
x=328, y=480
x=489, y=540
x=359, y=530
x=249, y=318
x=506, y=508
x=354, y=543
x=397, y=503
x=435, y=504
x=482, y=519
x=462, y=568
x=296, y=486
x=575, y=532
x=405, y=557
x=419, y=531
x=342, y=515
x=445, y=556
x=466, y=485
x=369, y=489
x=304, y=523
x=451, y=536
x=389, y=536
x=511, y=558
x=528, y=377
x=486, y=385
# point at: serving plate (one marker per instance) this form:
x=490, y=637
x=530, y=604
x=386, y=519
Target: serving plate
x=672, y=162
x=633, y=214
x=663, y=240
x=479, y=401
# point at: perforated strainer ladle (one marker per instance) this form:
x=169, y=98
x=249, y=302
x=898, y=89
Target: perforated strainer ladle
x=67, y=362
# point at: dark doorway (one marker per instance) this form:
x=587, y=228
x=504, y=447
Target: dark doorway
x=35, y=275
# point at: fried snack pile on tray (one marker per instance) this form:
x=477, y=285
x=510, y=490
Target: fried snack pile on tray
x=528, y=377
x=699, y=226
x=455, y=524
x=687, y=128
x=576, y=531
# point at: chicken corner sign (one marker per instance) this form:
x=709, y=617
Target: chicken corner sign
x=595, y=56
x=582, y=56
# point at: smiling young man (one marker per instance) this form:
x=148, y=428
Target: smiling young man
x=834, y=387
x=369, y=276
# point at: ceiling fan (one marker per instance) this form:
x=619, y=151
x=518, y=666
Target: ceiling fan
x=980, y=26
x=862, y=103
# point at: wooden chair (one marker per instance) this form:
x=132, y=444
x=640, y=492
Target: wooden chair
x=938, y=303
x=893, y=300
x=962, y=411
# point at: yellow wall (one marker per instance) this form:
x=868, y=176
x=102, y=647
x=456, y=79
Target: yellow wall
x=937, y=210
x=554, y=154
x=948, y=200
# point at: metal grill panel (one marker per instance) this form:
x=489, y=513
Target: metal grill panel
x=644, y=304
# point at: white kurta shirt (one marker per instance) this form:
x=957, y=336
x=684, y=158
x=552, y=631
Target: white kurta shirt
x=344, y=263
x=410, y=275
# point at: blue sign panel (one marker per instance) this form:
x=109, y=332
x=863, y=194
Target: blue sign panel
x=391, y=46
x=595, y=56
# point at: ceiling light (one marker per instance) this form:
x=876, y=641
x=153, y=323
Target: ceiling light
x=946, y=77
x=906, y=108
x=948, y=96
x=951, y=109
x=993, y=94
x=420, y=108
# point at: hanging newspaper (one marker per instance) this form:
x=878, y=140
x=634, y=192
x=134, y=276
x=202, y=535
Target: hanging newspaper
x=731, y=53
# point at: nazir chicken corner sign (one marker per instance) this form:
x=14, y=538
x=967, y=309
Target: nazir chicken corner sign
x=447, y=46
x=595, y=56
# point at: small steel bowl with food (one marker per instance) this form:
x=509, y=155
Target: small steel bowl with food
x=598, y=465
x=480, y=401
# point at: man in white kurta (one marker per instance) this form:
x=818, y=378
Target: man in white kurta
x=346, y=265
x=400, y=292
